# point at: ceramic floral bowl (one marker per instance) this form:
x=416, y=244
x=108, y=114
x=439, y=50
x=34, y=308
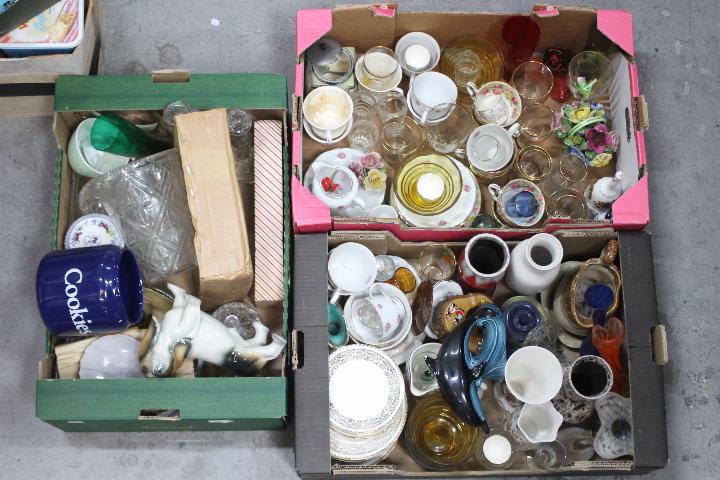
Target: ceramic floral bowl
x=520, y=203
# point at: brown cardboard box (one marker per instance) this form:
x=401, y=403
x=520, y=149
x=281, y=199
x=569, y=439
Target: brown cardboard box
x=216, y=208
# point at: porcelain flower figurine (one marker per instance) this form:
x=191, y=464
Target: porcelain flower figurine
x=370, y=172
x=186, y=331
x=583, y=130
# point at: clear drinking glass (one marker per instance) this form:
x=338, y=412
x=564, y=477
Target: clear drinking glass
x=589, y=75
x=534, y=163
x=364, y=105
x=549, y=456
x=453, y=128
x=437, y=262
x=400, y=137
x=378, y=67
x=392, y=105
x=240, y=126
x=533, y=81
x=172, y=110
x=363, y=135
x=567, y=202
x=568, y=171
x=536, y=124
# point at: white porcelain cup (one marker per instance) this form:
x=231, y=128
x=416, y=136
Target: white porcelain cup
x=428, y=90
x=85, y=159
x=351, y=269
x=383, y=211
x=539, y=423
x=328, y=111
x=490, y=148
x=378, y=316
x=533, y=375
x=344, y=194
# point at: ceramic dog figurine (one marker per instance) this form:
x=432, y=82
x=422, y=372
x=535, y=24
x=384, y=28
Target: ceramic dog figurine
x=186, y=331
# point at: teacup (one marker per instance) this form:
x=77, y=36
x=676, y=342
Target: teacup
x=520, y=203
x=337, y=186
x=351, y=269
x=86, y=160
x=490, y=150
x=328, y=111
x=377, y=316
x=495, y=103
x=427, y=91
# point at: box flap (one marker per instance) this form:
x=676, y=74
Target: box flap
x=311, y=26
x=316, y=216
x=203, y=91
x=617, y=26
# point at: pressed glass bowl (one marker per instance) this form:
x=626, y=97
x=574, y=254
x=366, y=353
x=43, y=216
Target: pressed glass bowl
x=417, y=174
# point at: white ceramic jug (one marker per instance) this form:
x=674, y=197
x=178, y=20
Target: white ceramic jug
x=534, y=264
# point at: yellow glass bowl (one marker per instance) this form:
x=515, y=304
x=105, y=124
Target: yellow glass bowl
x=423, y=168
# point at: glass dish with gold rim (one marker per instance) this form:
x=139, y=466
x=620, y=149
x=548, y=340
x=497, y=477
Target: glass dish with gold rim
x=428, y=184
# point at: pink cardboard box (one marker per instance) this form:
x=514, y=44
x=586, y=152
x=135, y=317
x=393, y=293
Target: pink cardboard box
x=364, y=26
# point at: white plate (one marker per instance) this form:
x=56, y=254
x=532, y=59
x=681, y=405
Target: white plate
x=366, y=390
x=468, y=203
x=368, y=449
x=343, y=157
x=111, y=356
x=400, y=333
x=324, y=141
x=395, y=81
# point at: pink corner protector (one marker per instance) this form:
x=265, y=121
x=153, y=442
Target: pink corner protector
x=315, y=216
x=617, y=26
x=311, y=25
x=632, y=210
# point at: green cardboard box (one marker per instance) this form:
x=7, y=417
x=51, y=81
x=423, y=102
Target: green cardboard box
x=150, y=404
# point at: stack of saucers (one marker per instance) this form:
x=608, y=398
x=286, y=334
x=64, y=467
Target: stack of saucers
x=368, y=405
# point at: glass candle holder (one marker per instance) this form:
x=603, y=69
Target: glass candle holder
x=536, y=124
x=437, y=262
x=534, y=163
x=533, y=81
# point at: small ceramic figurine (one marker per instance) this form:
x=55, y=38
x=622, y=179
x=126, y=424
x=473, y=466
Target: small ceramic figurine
x=186, y=331
x=583, y=130
x=604, y=192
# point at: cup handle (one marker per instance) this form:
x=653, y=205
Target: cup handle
x=328, y=137
x=397, y=89
x=336, y=295
x=514, y=129
x=411, y=81
x=495, y=191
x=460, y=153
x=472, y=89
x=423, y=119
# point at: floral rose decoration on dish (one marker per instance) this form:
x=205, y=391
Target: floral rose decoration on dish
x=370, y=172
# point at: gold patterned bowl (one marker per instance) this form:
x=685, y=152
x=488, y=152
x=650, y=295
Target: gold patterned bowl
x=428, y=184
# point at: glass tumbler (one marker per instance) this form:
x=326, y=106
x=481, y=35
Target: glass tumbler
x=533, y=81
x=453, y=128
x=363, y=136
x=567, y=203
x=364, y=105
x=379, y=67
x=242, y=139
x=589, y=75
x=534, y=163
x=392, y=105
x=400, y=137
x=536, y=124
x=437, y=262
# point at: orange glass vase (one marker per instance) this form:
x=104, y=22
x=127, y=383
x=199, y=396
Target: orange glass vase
x=608, y=339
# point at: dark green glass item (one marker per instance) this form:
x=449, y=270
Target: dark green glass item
x=113, y=134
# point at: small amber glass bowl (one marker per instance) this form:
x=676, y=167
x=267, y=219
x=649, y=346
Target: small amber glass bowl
x=409, y=179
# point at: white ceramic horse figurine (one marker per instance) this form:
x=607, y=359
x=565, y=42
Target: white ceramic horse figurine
x=186, y=331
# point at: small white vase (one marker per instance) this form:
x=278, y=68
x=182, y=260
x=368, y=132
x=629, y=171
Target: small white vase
x=534, y=264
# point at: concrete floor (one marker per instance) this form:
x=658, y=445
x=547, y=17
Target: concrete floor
x=677, y=49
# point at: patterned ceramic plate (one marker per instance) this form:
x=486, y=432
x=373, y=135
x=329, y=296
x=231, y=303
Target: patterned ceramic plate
x=344, y=157
x=361, y=449
x=366, y=390
x=92, y=230
x=466, y=207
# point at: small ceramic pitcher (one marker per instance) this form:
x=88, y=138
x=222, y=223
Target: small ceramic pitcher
x=336, y=186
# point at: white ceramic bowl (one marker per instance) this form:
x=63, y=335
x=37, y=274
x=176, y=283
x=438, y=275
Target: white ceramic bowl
x=417, y=38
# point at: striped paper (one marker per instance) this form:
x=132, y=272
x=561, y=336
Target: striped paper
x=268, y=211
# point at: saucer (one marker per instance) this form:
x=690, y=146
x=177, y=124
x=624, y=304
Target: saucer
x=514, y=187
x=367, y=390
x=418, y=118
x=400, y=333
x=509, y=95
x=344, y=157
x=466, y=206
x=395, y=81
x=400, y=352
x=311, y=134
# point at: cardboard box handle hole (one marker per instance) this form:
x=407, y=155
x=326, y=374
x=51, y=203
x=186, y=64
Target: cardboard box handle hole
x=159, y=414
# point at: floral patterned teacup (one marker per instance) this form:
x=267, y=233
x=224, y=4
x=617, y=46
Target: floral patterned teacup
x=336, y=186
x=495, y=103
x=520, y=203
